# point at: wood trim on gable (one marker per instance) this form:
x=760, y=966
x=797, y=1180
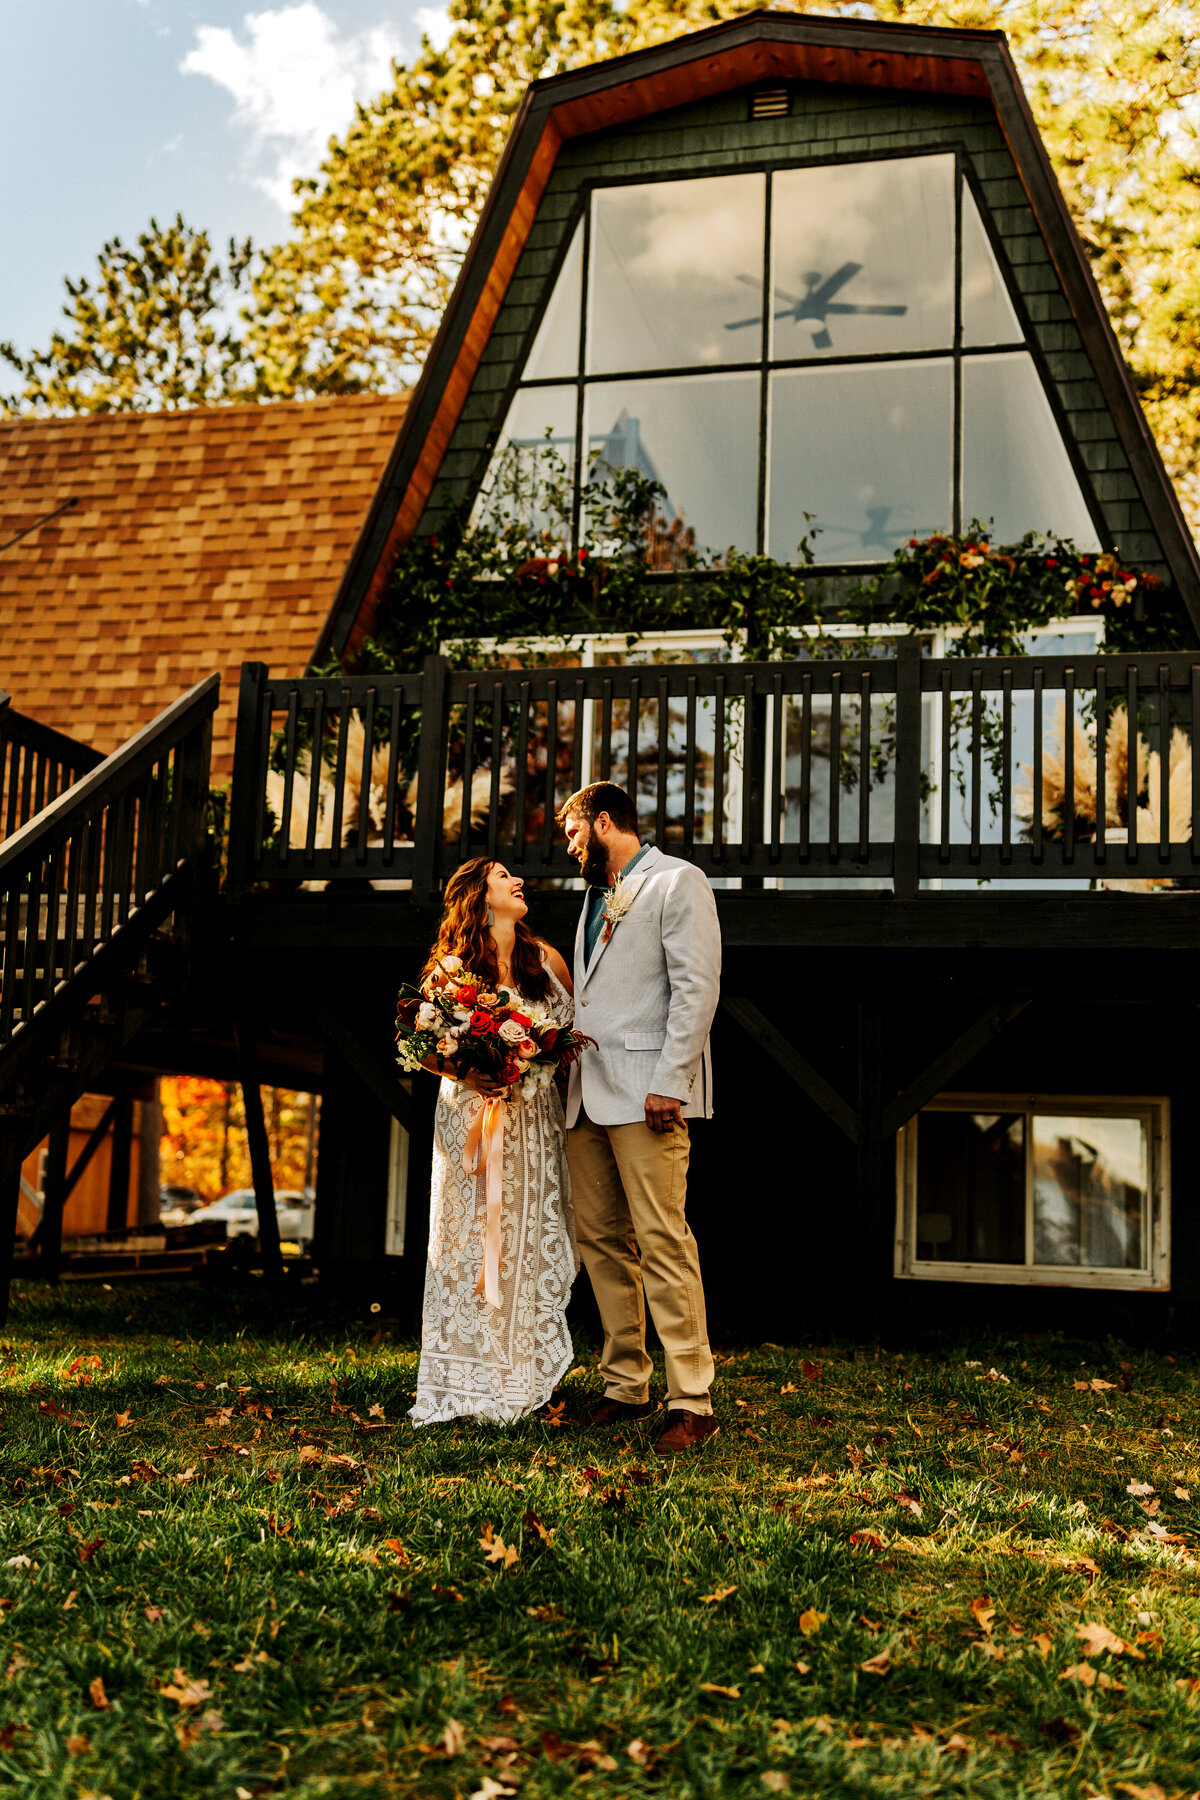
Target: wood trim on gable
x=756, y=47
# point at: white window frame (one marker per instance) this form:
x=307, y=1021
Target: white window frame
x=1155, y=1276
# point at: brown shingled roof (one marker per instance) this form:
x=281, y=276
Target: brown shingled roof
x=199, y=540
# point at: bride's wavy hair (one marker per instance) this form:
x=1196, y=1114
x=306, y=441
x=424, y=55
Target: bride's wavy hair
x=463, y=931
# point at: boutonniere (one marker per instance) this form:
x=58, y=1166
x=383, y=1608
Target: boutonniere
x=616, y=906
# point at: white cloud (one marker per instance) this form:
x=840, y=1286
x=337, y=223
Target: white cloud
x=295, y=82
x=433, y=22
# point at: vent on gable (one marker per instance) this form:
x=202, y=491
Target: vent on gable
x=770, y=103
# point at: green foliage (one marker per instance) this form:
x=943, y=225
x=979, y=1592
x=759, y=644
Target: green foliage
x=349, y=1635
x=145, y=334
x=992, y=595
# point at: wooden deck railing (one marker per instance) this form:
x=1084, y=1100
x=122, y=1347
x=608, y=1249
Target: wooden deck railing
x=99, y=864
x=896, y=770
x=37, y=764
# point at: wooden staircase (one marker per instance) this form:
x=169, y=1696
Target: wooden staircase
x=98, y=872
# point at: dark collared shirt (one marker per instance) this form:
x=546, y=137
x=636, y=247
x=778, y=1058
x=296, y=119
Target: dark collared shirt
x=597, y=896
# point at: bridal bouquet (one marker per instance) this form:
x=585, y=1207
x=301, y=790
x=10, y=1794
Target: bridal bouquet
x=457, y=1017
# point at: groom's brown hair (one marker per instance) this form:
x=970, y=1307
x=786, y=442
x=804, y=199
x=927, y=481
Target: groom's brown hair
x=600, y=797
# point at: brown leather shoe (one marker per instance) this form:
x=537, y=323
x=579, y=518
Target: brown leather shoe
x=686, y=1431
x=615, y=1412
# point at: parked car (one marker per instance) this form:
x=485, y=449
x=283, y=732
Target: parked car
x=177, y=1203
x=239, y=1214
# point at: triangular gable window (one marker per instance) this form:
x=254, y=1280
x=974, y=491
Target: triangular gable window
x=786, y=352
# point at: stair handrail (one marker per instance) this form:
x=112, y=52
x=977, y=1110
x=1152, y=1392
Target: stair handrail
x=103, y=865
x=52, y=826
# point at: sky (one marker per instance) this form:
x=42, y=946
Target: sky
x=116, y=111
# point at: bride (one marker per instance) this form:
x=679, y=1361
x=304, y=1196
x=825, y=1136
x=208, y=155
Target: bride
x=480, y=1360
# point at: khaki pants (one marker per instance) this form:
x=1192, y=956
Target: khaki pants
x=629, y=1186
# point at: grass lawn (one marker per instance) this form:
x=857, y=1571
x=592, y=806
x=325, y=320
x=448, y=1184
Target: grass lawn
x=229, y=1566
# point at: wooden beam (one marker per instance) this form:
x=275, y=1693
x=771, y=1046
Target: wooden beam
x=121, y=1163
x=260, y=1152
x=797, y=1066
x=49, y=1231
x=964, y=1048
x=98, y=1135
x=10, y=1197
x=377, y=1077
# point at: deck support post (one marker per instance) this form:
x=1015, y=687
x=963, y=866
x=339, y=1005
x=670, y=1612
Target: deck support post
x=121, y=1163
x=869, y=1210
x=10, y=1199
x=54, y=1196
x=260, y=1151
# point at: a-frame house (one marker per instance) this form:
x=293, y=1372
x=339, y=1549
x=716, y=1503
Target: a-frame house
x=808, y=275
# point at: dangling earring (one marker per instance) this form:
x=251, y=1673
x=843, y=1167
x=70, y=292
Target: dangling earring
x=491, y=918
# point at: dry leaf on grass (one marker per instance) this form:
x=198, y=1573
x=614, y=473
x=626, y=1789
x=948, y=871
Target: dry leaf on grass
x=713, y=1687
x=69, y=1602
x=97, y=1695
x=123, y=1420
x=77, y=1744
x=811, y=1620
x=983, y=1612
x=718, y=1594
x=878, y=1665
x=491, y=1790
x=88, y=1549
x=1041, y=1642
x=775, y=1781
x=398, y=1551
x=791, y=1388
x=453, y=1738
x=1138, y=1790
x=186, y=1691
x=1182, y=1493
x=534, y=1526
x=909, y=1501
x=312, y=1454
x=639, y=1752
x=555, y=1415
x=1139, y=1489
x=1097, y=1638
x=495, y=1550
x=1095, y=1386
x=802, y=1668
x=811, y=1371
x=956, y=1745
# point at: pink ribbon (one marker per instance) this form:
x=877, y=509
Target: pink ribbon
x=485, y=1146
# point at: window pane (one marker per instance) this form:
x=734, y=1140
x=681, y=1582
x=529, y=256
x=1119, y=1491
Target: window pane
x=698, y=435
x=674, y=266
x=866, y=451
x=532, y=471
x=987, y=311
x=1016, y=471
x=971, y=1187
x=643, y=781
x=1090, y=1188
x=556, y=347
x=863, y=258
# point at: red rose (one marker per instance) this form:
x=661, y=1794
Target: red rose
x=1050, y=563
x=913, y=543
x=482, y=1025
x=511, y=1073
x=468, y=994
x=521, y=1019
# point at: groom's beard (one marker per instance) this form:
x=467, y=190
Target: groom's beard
x=594, y=866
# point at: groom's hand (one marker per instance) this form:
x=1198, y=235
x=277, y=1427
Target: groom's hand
x=663, y=1113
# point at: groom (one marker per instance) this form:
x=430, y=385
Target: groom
x=647, y=980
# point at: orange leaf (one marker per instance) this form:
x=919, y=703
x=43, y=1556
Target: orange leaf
x=1041, y=1642
x=878, y=1665
x=983, y=1612
x=124, y=1419
x=77, y=1744
x=397, y=1549
x=811, y=1620
x=1083, y=1672
x=712, y=1687
x=187, y=1692
x=719, y=1594
x=97, y=1695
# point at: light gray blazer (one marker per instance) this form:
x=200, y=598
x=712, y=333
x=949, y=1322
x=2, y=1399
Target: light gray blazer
x=648, y=998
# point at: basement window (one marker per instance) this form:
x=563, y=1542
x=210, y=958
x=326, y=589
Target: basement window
x=1048, y=1190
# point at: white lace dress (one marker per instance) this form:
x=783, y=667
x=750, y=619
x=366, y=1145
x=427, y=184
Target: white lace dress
x=479, y=1360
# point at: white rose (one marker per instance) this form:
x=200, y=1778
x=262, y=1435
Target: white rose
x=450, y=963
x=511, y=1032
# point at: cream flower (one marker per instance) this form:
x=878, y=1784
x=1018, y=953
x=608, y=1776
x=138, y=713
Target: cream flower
x=450, y=963
x=428, y=1016
x=511, y=1032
